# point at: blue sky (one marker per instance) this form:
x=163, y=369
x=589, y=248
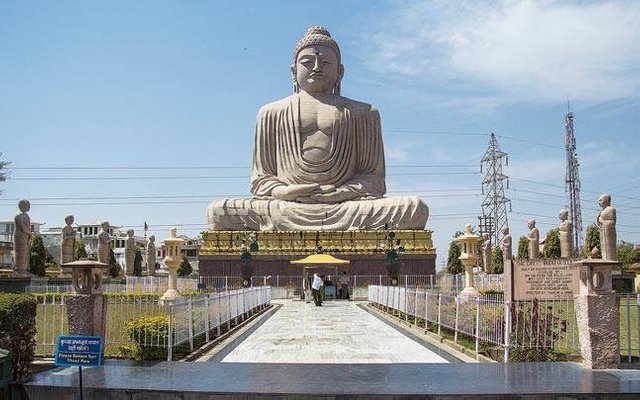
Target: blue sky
x=167, y=90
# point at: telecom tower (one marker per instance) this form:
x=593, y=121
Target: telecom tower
x=572, y=180
x=494, y=206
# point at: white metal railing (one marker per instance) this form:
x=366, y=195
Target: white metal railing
x=178, y=323
x=487, y=318
x=630, y=327
x=290, y=286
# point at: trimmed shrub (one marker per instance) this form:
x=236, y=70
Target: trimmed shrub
x=151, y=335
x=18, y=330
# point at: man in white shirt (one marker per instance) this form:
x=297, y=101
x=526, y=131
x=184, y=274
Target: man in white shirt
x=316, y=285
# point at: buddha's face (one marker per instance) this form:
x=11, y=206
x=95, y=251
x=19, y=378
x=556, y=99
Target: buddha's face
x=604, y=201
x=317, y=69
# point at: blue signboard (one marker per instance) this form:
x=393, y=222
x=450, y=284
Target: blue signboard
x=84, y=351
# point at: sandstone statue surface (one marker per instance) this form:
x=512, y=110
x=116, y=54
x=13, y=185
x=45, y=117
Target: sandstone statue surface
x=68, y=243
x=151, y=256
x=22, y=237
x=566, y=231
x=486, y=253
x=129, y=252
x=318, y=157
x=606, y=221
x=534, y=240
x=507, y=249
x=104, y=243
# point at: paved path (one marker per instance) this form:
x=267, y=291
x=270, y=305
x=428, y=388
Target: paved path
x=339, y=332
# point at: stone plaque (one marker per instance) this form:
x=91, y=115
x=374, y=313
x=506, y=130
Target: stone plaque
x=545, y=279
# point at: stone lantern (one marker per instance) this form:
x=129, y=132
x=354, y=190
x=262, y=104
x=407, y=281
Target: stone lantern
x=469, y=248
x=173, y=245
x=87, y=306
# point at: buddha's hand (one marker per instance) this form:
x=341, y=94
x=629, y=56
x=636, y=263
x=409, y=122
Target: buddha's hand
x=293, y=192
x=334, y=195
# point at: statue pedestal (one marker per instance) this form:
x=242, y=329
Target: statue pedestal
x=87, y=314
x=221, y=252
x=598, y=315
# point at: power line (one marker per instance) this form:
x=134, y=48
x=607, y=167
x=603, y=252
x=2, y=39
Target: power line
x=196, y=167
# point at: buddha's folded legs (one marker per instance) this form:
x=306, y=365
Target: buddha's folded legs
x=236, y=214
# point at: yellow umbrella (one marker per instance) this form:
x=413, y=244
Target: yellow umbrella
x=320, y=259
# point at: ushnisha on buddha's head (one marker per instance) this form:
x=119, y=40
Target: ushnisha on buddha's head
x=316, y=67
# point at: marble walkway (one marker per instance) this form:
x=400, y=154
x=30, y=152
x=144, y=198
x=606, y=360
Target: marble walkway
x=339, y=332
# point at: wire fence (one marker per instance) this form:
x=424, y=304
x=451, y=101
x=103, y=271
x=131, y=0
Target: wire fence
x=486, y=320
x=163, y=327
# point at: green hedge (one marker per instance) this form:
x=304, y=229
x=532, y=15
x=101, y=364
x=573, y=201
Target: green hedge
x=18, y=330
x=148, y=330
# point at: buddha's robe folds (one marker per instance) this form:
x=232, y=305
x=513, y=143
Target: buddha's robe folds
x=354, y=162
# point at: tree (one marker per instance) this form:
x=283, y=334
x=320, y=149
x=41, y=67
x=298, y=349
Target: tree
x=592, y=239
x=552, y=244
x=185, y=267
x=80, y=251
x=454, y=265
x=497, y=263
x=523, y=247
x=626, y=253
x=114, y=267
x=137, y=263
x=39, y=256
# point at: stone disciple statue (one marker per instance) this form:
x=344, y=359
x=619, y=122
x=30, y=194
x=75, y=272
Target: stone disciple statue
x=22, y=237
x=534, y=240
x=486, y=253
x=68, y=243
x=104, y=241
x=151, y=256
x=318, y=158
x=566, y=230
x=507, y=251
x=129, y=252
x=606, y=221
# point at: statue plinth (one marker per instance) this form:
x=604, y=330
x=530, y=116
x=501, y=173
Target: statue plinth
x=220, y=253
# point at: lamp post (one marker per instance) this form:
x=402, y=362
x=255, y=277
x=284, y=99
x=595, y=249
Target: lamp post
x=392, y=249
x=469, y=250
x=172, y=244
x=247, y=269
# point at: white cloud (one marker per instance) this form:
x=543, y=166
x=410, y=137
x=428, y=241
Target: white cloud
x=516, y=50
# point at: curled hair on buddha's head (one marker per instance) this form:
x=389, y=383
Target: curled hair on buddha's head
x=316, y=35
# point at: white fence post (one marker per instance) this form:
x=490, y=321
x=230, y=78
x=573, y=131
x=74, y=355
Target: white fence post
x=439, y=312
x=477, y=325
x=190, y=310
x=507, y=329
x=206, y=320
x=170, y=334
x=455, y=330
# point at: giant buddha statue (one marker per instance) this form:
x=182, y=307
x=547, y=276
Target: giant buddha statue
x=318, y=158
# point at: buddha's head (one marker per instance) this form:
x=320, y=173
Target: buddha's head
x=604, y=200
x=564, y=214
x=68, y=220
x=316, y=64
x=130, y=233
x=531, y=223
x=24, y=205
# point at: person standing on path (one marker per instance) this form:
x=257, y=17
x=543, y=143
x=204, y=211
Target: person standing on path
x=316, y=286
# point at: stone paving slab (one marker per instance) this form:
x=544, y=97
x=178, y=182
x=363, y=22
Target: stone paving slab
x=199, y=381
x=339, y=332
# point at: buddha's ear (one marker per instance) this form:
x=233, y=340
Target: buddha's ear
x=296, y=87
